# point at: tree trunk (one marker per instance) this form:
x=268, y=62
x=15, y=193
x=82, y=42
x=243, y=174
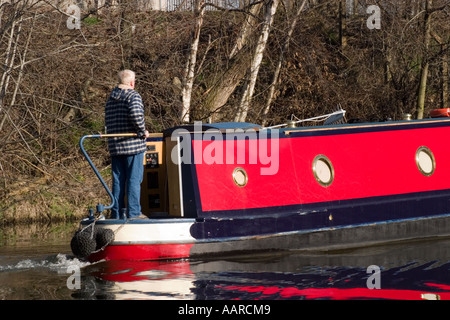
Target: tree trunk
x=351, y=7
x=189, y=71
x=220, y=92
x=125, y=31
x=271, y=9
x=425, y=64
x=444, y=70
x=247, y=29
x=218, y=95
x=9, y=63
x=342, y=23
x=276, y=74
x=387, y=64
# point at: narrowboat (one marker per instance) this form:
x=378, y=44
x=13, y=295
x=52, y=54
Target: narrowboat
x=227, y=188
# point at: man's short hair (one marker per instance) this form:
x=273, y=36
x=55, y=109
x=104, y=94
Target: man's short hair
x=125, y=76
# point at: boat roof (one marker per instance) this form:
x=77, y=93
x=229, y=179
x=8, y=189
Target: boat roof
x=222, y=126
x=206, y=126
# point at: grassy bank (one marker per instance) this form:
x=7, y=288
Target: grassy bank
x=56, y=199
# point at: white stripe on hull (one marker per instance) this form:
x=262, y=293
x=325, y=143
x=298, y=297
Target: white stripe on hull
x=151, y=232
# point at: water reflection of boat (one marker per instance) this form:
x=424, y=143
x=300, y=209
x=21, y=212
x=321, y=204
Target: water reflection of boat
x=410, y=271
x=235, y=187
x=128, y=279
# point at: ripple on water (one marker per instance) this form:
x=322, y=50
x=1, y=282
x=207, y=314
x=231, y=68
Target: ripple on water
x=59, y=263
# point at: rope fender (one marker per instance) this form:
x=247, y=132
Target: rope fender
x=90, y=239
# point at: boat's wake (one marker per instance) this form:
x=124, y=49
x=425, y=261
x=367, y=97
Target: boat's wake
x=57, y=263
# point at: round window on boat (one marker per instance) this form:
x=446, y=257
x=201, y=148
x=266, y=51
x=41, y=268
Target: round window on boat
x=425, y=161
x=323, y=170
x=240, y=177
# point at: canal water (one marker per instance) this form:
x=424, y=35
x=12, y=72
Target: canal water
x=37, y=264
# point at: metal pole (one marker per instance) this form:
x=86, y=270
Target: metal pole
x=101, y=207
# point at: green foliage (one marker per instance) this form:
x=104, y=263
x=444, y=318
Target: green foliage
x=91, y=20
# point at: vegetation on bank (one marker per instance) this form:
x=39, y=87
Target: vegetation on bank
x=318, y=55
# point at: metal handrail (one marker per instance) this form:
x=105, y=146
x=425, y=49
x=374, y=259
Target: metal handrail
x=100, y=207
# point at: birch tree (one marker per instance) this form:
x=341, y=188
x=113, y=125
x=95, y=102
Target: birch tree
x=444, y=81
x=189, y=70
x=248, y=27
x=11, y=19
x=444, y=69
x=20, y=73
x=343, y=23
x=425, y=63
x=430, y=34
x=281, y=58
x=271, y=8
x=239, y=61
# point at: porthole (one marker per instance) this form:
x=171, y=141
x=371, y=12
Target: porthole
x=240, y=177
x=323, y=170
x=425, y=161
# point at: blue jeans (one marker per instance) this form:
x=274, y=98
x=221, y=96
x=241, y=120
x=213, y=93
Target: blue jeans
x=127, y=172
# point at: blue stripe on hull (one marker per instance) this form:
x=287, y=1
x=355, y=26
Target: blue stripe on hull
x=251, y=222
x=346, y=237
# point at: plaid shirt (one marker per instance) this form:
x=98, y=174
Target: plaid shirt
x=124, y=113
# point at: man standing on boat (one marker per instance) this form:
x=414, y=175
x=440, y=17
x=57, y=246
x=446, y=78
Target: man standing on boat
x=124, y=113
